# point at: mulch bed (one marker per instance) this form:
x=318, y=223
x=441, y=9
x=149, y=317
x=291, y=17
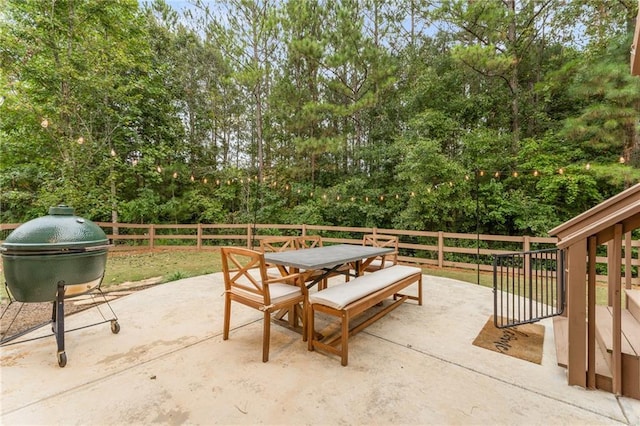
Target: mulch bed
x=18, y=317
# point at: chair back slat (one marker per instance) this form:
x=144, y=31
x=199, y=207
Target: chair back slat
x=309, y=241
x=277, y=244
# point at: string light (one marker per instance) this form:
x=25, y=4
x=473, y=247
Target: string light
x=113, y=152
x=430, y=189
x=44, y=123
x=80, y=140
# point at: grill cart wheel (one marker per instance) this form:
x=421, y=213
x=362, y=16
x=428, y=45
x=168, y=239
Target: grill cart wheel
x=62, y=359
x=115, y=327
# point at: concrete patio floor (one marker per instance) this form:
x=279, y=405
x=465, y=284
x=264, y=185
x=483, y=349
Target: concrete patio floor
x=169, y=365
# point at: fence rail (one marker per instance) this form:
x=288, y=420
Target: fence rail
x=429, y=248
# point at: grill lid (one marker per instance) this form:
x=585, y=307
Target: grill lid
x=60, y=230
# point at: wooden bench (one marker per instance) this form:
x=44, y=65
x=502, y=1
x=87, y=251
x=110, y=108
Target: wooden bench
x=348, y=300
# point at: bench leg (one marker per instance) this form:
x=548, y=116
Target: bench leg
x=344, y=339
x=310, y=326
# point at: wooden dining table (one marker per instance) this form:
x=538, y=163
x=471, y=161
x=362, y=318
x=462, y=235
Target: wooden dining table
x=328, y=259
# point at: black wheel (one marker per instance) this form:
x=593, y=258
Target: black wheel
x=62, y=359
x=115, y=327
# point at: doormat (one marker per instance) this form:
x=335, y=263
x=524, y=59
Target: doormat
x=523, y=341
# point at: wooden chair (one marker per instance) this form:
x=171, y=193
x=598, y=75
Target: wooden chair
x=265, y=294
x=381, y=240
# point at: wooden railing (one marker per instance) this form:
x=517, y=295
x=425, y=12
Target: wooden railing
x=433, y=248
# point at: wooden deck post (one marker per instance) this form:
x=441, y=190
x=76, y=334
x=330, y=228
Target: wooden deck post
x=576, y=307
x=591, y=313
x=615, y=271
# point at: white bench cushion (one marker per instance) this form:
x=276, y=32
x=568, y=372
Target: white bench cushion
x=340, y=295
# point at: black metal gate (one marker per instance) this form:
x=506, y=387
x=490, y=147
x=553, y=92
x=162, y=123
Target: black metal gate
x=528, y=287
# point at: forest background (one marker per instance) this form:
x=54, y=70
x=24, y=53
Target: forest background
x=499, y=117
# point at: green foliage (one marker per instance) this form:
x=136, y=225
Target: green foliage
x=345, y=113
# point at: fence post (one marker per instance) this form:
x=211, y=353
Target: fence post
x=304, y=230
x=249, y=236
x=199, y=242
x=440, y=249
x=152, y=235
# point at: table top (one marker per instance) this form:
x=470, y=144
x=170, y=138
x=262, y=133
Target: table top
x=325, y=257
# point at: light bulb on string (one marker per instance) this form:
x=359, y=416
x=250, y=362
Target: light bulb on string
x=113, y=152
x=80, y=140
x=175, y=175
x=159, y=169
x=536, y=173
x=621, y=160
x=44, y=123
x=561, y=171
x=515, y=174
x=588, y=166
x=204, y=181
x=193, y=179
x=496, y=175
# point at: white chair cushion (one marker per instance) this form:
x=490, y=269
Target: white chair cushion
x=377, y=263
x=340, y=295
x=279, y=292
